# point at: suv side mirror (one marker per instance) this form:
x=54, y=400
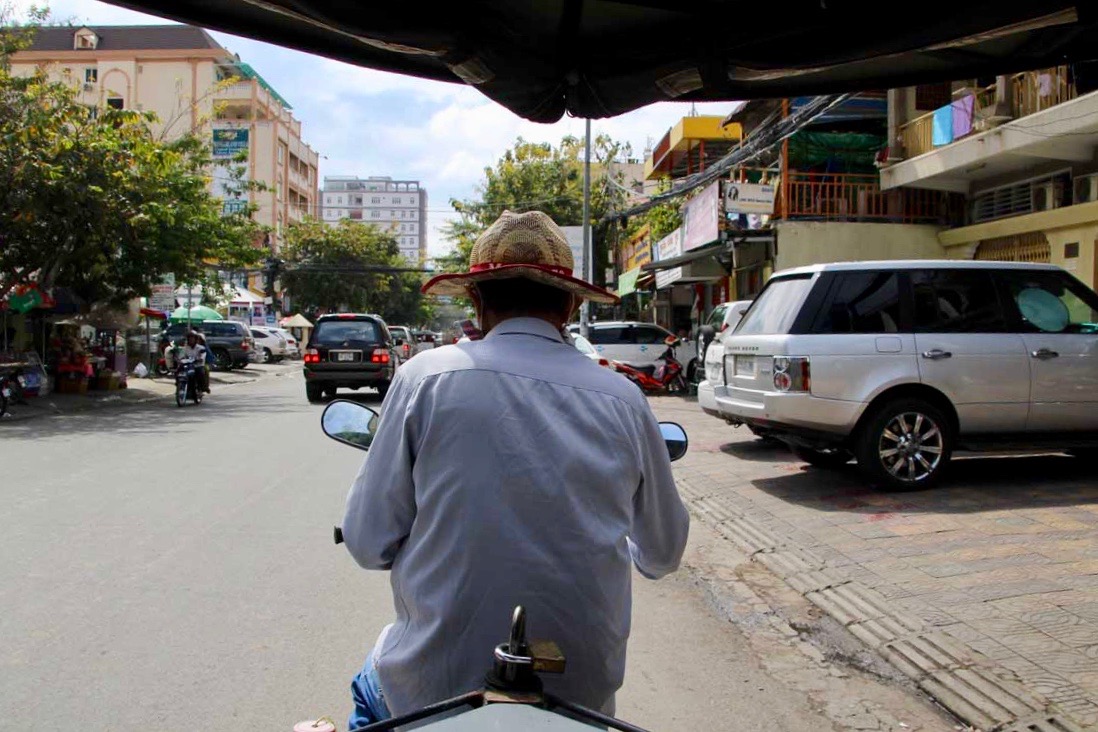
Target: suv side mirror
x=674, y=436
x=350, y=423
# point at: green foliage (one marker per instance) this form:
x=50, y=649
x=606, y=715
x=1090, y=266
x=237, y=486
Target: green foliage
x=539, y=176
x=339, y=255
x=663, y=219
x=91, y=200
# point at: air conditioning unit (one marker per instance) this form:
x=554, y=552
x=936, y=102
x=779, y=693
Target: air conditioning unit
x=1043, y=196
x=1085, y=188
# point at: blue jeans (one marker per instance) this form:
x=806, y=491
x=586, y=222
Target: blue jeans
x=369, y=700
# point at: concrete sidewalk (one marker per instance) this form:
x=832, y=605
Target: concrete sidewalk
x=138, y=391
x=983, y=591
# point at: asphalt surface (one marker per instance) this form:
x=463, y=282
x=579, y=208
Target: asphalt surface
x=173, y=569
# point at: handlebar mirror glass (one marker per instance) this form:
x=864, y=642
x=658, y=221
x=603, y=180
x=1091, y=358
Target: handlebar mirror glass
x=350, y=423
x=674, y=436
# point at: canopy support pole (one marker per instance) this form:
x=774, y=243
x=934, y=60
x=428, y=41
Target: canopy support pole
x=588, y=258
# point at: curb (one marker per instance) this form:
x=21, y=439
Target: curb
x=965, y=682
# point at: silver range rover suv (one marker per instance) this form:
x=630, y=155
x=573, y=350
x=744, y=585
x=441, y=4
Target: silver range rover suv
x=898, y=364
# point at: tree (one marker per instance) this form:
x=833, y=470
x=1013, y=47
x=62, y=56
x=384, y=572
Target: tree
x=90, y=199
x=538, y=176
x=330, y=268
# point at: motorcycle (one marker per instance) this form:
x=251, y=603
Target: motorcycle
x=11, y=390
x=667, y=376
x=513, y=696
x=186, y=382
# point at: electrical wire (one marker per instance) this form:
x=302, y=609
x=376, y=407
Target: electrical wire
x=769, y=133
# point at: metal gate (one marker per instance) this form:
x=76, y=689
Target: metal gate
x=1029, y=247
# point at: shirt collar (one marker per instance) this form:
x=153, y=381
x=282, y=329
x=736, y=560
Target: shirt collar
x=526, y=326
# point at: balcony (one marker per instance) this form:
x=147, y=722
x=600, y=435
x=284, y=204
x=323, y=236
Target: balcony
x=977, y=110
x=852, y=197
x=1046, y=122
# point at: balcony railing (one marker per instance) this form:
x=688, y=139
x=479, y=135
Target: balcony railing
x=852, y=197
x=1030, y=92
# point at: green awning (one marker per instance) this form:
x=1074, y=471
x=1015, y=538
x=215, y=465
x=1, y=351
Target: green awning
x=627, y=282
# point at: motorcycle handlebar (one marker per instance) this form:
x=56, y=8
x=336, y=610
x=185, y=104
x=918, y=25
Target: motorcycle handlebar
x=337, y=534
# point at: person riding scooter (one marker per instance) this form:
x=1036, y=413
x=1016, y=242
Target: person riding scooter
x=508, y=471
x=196, y=350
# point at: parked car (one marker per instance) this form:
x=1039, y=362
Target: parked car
x=634, y=343
x=426, y=340
x=270, y=345
x=349, y=350
x=900, y=364
x=722, y=320
x=230, y=342
x=293, y=349
x=404, y=341
x=584, y=346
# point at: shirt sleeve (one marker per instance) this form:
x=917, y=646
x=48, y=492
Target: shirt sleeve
x=381, y=505
x=660, y=520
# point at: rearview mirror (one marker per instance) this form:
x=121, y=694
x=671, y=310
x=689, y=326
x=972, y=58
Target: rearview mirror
x=674, y=436
x=350, y=423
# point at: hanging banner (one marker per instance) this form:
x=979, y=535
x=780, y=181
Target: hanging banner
x=701, y=218
x=669, y=247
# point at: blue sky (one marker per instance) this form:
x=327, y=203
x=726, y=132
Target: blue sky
x=365, y=122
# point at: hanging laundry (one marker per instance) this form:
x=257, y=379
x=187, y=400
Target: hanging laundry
x=963, y=110
x=943, y=126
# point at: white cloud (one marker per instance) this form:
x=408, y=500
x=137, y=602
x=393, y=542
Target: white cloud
x=368, y=122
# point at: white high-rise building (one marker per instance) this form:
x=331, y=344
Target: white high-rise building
x=397, y=206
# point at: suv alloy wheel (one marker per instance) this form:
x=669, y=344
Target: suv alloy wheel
x=905, y=444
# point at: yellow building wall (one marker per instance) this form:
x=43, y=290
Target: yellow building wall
x=1076, y=224
x=801, y=243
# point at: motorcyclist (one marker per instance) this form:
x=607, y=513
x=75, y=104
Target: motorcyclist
x=510, y=471
x=194, y=349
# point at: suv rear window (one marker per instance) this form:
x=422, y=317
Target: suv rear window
x=222, y=330
x=774, y=311
x=336, y=332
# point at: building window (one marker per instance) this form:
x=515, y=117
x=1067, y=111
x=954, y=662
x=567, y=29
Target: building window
x=375, y=214
x=375, y=199
x=115, y=102
x=339, y=200
x=281, y=153
x=396, y=200
x=91, y=76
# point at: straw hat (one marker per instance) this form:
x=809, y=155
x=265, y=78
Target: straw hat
x=526, y=245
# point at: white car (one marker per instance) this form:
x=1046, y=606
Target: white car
x=724, y=319
x=898, y=364
x=631, y=342
x=293, y=348
x=584, y=346
x=270, y=345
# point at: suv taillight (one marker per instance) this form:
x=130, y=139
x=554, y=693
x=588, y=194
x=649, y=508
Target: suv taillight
x=380, y=355
x=792, y=374
x=312, y=356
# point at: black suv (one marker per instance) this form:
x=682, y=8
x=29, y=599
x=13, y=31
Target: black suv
x=349, y=350
x=231, y=343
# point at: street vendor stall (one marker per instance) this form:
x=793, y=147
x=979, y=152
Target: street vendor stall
x=300, y=326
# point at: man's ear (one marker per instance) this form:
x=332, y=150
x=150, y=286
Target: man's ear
x=474, y=295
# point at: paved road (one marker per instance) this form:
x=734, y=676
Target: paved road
x=998, y=566
x=172, y=569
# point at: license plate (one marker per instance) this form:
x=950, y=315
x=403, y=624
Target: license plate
x=345, y=357
x=745, y=366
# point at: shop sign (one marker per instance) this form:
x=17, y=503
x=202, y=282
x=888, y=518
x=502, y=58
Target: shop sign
x=669, y=247
x=748, y=198
x=637, y=251
x=229, y=142
x=162, y=296
x=701, y=218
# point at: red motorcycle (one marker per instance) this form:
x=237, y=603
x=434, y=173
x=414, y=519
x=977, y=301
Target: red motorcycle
x=666, y=376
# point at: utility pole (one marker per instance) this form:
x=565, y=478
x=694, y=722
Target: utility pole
x=588, y=272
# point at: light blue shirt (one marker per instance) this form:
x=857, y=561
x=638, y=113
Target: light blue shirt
x=511, y=471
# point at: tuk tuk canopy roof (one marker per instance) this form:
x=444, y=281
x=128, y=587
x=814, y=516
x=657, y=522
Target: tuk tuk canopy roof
x=600, y=58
